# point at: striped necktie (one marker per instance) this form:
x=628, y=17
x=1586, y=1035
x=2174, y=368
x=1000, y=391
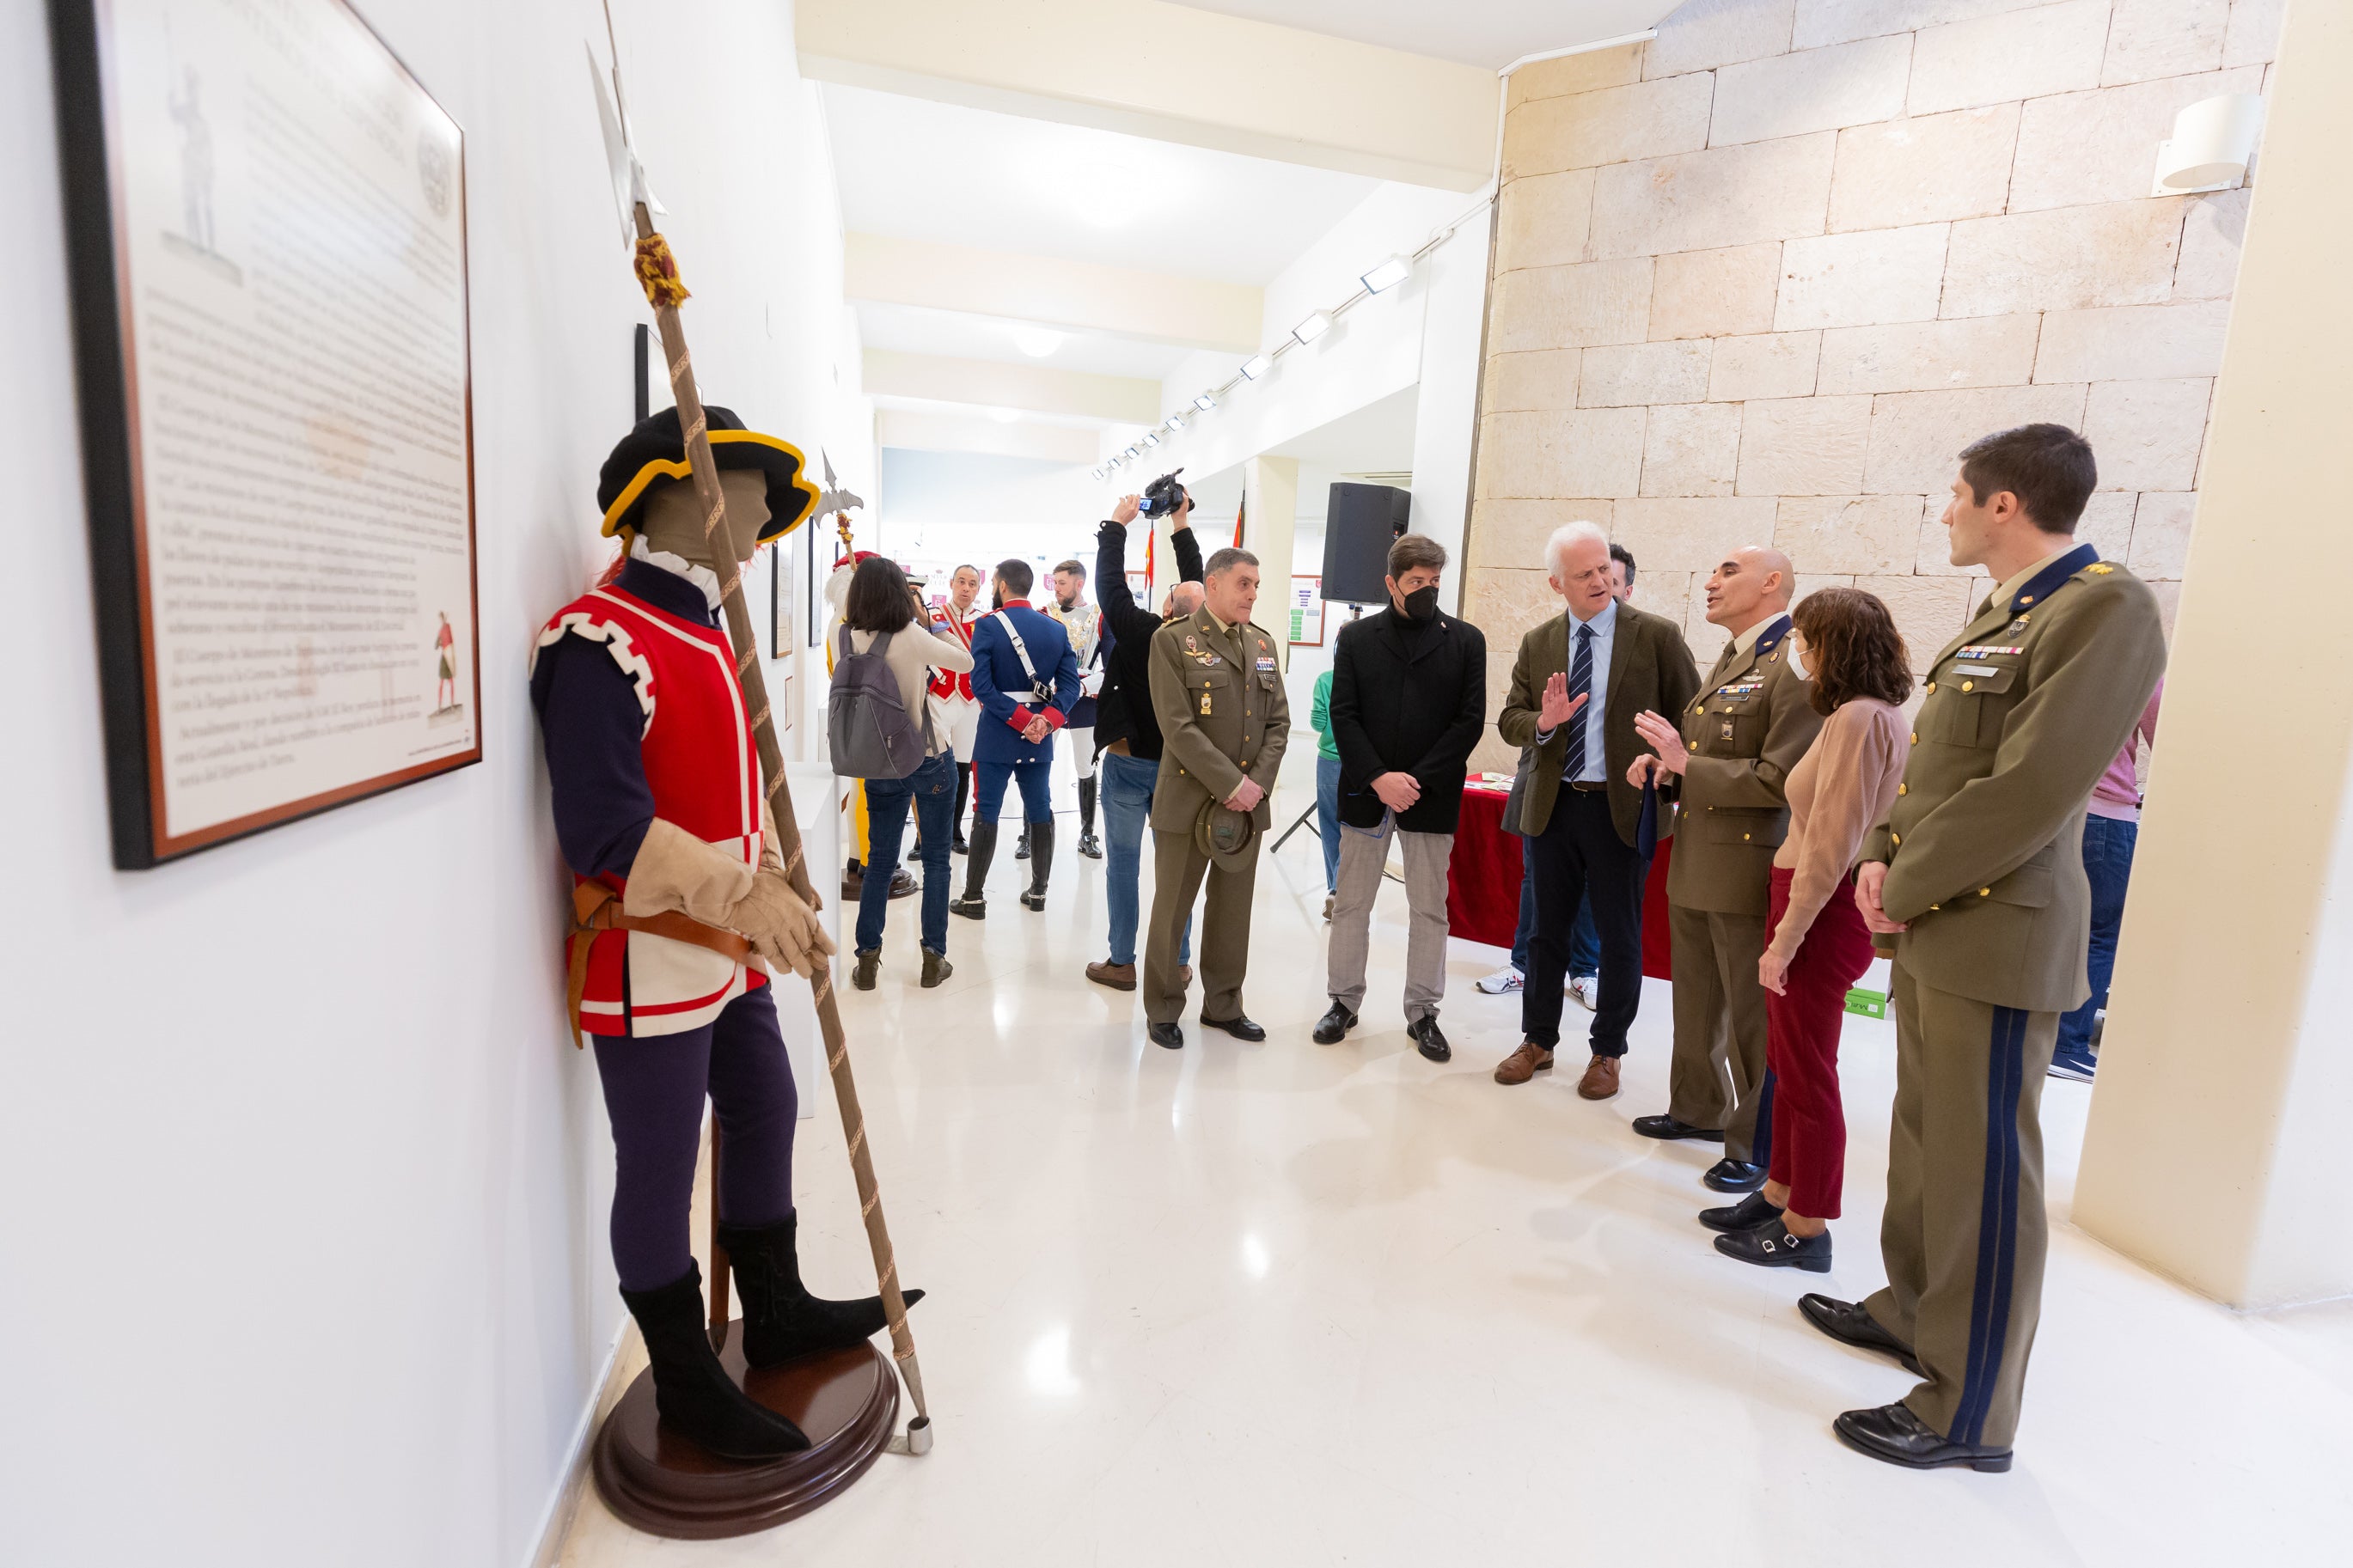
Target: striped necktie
x=1580, y=684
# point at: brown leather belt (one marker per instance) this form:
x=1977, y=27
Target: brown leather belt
x=1588, y=786
x=596, y=907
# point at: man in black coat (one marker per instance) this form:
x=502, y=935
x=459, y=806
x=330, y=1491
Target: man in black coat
x=1409, y=700
x=1125, y=727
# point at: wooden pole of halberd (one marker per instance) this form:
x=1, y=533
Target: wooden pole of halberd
x=788, y=847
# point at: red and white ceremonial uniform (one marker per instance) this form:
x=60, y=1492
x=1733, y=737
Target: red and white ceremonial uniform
x=704, y=772
x=955, y=712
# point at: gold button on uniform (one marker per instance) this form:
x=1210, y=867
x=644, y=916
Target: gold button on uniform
x=1892, y=837
x=1932, y=685
x=1916, y=737
x=1902, y=789
x=1744, y=838
x=1985, y=892
x=1968, y=686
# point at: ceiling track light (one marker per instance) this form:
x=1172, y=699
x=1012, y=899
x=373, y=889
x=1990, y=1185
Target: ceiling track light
x=1317, y=324
x=1204, y=402
x=1388, y=275
x=1257, y=366
x=1173, y=424
x=1152, y=438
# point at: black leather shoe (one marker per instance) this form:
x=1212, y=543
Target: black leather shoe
x=1239, y=1026
x=1893, y=1435
x=1775, y=1245
x=1734, y=1176
x=1849, y=1324
x=1168, y=1037
x=1423, y=1031
x=1750, y=1211
x=1332, y=1026
x=1667, y=1127
x=970, y=908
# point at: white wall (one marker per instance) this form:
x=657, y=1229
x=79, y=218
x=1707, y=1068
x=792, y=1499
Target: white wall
x=305, y=1183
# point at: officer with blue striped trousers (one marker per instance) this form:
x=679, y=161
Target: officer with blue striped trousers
x=1977, y=879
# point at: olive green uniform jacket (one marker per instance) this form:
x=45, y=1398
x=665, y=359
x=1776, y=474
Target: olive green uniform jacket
x=2024, y=710
x=1752, y=721
x=1223, y=718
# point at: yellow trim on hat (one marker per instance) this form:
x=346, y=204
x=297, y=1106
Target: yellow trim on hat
x=667, y=468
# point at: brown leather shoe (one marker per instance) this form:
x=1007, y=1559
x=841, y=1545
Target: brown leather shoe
x=1118, y=976
x=1600, y=1079
x=1524, y=1064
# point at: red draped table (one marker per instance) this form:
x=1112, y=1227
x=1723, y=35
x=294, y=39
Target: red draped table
x=1483, y=882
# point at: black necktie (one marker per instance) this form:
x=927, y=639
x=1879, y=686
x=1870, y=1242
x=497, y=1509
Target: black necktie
x=1580, y=684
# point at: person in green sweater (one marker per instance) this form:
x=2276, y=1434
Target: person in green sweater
x=1327, y=788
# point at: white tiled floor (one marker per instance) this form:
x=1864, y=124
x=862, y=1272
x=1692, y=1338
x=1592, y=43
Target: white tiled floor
x=1286, y=1303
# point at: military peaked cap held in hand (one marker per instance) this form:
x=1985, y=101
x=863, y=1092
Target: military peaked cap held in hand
x=654, y=454
x=1225, y=835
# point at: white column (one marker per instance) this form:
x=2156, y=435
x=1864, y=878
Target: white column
x=2218, y=1136
x=1271, y=508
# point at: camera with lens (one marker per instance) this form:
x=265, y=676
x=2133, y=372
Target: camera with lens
x=1163, y=496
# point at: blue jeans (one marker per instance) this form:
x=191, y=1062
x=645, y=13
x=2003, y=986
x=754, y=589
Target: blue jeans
x=1584, y=942
x=1127, y=785
x=1036, y=781
x=931, y=788
x=1327, y=817
x=2107, y=861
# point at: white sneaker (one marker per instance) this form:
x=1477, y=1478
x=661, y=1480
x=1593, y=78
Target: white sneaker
x=1587, y=989
x=1504, y=982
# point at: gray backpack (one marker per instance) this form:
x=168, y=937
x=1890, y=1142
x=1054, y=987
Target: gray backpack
x=867, y=727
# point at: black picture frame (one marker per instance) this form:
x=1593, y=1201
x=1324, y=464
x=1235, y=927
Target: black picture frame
x=106, y=364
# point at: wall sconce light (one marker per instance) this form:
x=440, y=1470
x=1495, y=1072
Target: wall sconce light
x=2212, y=139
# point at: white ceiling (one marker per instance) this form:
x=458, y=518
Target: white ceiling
x=1490, y=33
x=919, y=330
x=914, y=169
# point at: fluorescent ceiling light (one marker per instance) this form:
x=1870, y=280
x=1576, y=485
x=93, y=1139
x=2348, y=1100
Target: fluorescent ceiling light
x=1312, y=328
x=1257, y=366
x=1205, y=402
x=1152, y=438
x=1388, y=275
x=1037, y=342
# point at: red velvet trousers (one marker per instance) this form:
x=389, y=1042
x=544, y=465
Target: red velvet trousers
x=1801, y=1044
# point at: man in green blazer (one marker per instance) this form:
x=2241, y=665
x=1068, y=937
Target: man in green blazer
x=1976, y=877
x=1579, y=681
x=1723, y=759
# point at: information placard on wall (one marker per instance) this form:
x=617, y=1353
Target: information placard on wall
x=1306, y=612
x=267, y=221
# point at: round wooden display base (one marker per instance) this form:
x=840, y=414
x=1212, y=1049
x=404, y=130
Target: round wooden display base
x=846, y=1400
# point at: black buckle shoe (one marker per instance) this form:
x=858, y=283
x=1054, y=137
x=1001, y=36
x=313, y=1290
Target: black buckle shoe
x=1240, y=1027
x=1775, y=1245
x=1893, y=1434
x=1749, y=1213
x=1851, y=1324
x=1090, y=846
x=1167, y=1036
x=1667, y=1126
x=1423, y=1031
x=1332, y=1026
x=970, y=908
x=1734, y=1176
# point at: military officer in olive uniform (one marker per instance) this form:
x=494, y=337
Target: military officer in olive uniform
x=1977, y=877
x=1752, y=721
x=1216, y=687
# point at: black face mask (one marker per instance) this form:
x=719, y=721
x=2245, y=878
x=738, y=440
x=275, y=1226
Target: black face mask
x=1421, y=606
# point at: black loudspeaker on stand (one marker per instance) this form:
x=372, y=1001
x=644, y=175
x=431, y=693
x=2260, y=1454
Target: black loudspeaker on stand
x=1360, y=523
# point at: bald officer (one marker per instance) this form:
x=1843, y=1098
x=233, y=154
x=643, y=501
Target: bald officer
x=1735, y=743
x=1217, y=690
x=1977, y=877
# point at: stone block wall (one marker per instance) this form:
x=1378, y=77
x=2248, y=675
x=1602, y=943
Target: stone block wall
x=1760, y=279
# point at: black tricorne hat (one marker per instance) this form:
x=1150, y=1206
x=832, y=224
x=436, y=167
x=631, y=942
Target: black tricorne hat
x=654, y=454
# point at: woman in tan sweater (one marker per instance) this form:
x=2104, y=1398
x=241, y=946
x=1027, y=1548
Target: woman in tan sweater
x=881, y=603
x=1816, y=947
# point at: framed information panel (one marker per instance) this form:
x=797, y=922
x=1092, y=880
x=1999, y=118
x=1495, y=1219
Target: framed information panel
x=266, y=218
x=1306, y=608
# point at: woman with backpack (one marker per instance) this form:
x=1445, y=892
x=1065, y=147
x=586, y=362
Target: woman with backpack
x=881, y=608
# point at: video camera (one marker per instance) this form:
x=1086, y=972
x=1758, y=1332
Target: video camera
x=1163, y=496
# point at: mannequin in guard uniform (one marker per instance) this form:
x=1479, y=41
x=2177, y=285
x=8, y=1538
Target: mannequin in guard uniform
x=1977, y=877
x=681, y=908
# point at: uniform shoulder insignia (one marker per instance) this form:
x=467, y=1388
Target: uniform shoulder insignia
x=2099, y=569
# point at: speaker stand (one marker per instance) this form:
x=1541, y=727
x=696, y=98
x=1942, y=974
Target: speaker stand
x=846, y=1401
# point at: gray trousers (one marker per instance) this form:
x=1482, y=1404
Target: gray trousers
x=1717, y=1080
x=1363, y=854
